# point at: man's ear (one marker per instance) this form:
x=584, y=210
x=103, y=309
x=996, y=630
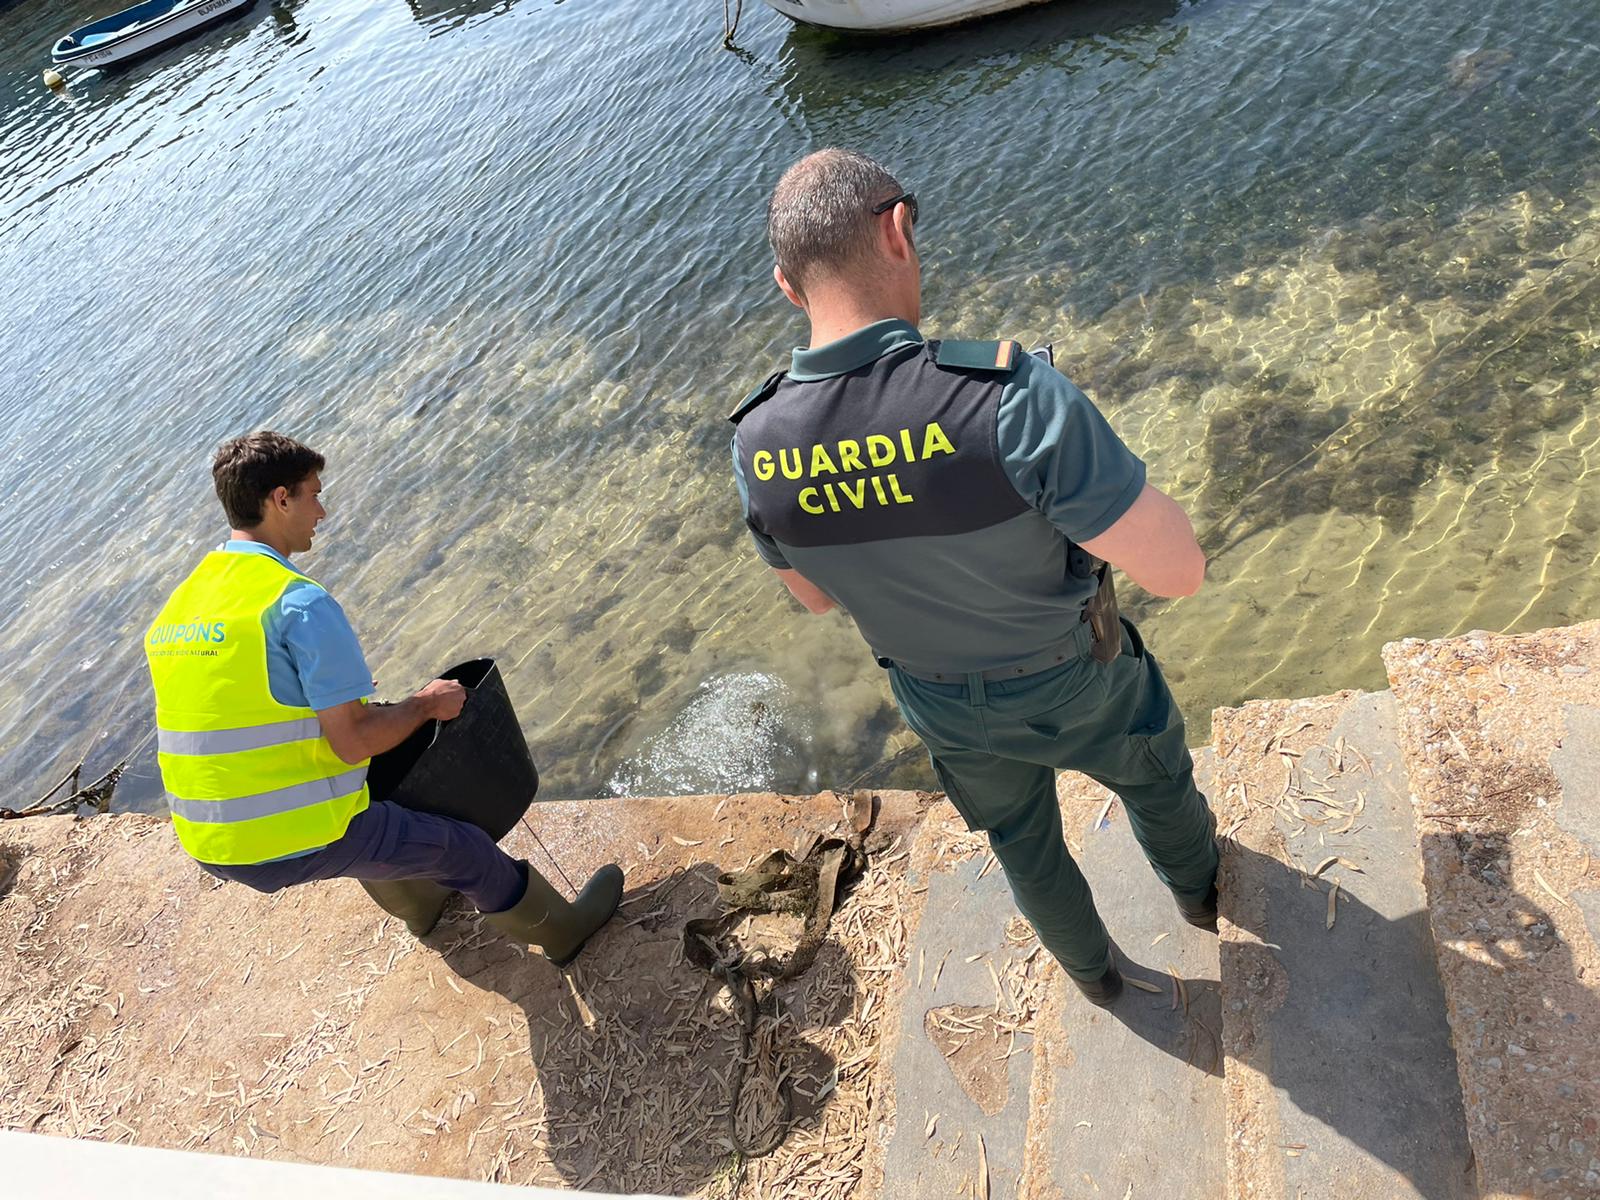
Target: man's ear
x=902, y=244
x=278, y=498
x=795, y=295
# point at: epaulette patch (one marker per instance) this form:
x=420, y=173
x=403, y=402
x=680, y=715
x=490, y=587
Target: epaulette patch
x=977, y=356
x=756, y=397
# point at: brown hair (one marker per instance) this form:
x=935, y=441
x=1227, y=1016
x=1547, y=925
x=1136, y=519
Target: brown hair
x=820, y=217
x=250, y=468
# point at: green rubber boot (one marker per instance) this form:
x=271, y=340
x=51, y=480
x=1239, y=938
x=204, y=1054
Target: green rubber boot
x=559, y=927
x=417, y=902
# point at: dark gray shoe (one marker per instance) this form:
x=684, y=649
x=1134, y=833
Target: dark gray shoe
x=545, y=918
x=417, y=902
x=1103, y=991
x=1202, y=914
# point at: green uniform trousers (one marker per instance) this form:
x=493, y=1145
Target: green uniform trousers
x=996, y=746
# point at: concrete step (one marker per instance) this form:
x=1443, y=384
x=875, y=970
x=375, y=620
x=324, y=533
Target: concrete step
x=1131, y=1097
x=959, y=1054
x=1501, y=737
x=1004, y=1081
x=146, y=1003
x=1341, y=1081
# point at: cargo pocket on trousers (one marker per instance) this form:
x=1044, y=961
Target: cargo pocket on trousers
x=1157, y=727
x=952, y=793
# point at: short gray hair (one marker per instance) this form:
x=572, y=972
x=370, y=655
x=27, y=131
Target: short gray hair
x=820, y=220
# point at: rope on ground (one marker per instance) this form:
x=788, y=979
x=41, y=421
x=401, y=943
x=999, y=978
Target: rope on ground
x=809, y=886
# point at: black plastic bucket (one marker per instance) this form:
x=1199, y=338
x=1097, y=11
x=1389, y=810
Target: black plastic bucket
x=476, y=768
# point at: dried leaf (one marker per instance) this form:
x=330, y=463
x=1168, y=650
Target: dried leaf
x=1333, y=901
x=1545, y=884
x=983, y=1170
x=933, y=1123
x=687, y=841
x=1100, y=817
x=1141, y=985
x=1161, y=938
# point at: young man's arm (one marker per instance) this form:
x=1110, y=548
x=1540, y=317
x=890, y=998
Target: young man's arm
x=333, y=675
x=358, y=731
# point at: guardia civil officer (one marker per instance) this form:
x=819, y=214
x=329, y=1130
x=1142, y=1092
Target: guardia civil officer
x=265, y=735
x=937, y=491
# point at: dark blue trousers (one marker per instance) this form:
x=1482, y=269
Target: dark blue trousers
x=385, y=841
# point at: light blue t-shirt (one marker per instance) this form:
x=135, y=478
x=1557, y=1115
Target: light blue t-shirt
x=314, y=659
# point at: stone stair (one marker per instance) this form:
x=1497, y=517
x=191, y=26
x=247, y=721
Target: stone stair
x=1341, y=1079
x=1053, y=1104
x=1403, y=1001
x=1501, y=737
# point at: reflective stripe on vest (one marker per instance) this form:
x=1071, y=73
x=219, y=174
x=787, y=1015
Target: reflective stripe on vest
x=231, y=741
x=268, y=804
x=248, y=779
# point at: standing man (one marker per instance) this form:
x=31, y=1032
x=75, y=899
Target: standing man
x=265, y=733
x=933, y=490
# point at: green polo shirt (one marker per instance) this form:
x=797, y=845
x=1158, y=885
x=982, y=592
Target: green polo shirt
x=986, y=598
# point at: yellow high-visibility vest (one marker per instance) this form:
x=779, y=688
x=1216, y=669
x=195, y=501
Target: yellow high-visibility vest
x=247, y=779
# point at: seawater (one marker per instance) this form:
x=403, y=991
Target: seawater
x=1330, y=267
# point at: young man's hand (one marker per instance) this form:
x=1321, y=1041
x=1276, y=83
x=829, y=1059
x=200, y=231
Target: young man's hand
x=443, y=699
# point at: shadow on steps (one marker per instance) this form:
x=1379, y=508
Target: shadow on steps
x=1359, y=1056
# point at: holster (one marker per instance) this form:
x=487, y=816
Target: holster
x=1104, y=623
x=1100, y=610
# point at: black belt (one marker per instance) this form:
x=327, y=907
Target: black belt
x=1075, y=646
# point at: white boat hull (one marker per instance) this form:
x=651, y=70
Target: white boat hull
x=151, y=37
x=886, y=16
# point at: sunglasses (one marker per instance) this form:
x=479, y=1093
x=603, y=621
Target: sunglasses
x=909, y=199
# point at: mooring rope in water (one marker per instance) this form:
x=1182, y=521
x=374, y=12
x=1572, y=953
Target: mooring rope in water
x=732, y=10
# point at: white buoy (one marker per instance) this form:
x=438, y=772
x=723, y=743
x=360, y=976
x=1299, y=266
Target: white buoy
x=54, y=81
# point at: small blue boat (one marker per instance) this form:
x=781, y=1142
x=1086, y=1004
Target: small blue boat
x=140, y=30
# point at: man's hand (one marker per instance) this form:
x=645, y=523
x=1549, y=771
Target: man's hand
x=444, y=698
x=357, y=731
x=1154, y=544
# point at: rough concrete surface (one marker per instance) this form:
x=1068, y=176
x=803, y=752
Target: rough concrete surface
x=1130, y=1097
x=1341, y=1071
x=1494, y=732
x=962, y=1056
x=145, y=1002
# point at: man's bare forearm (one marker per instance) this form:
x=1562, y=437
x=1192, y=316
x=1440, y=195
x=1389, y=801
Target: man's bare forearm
x=382, y=727
x=358, y=731
x=802, y=589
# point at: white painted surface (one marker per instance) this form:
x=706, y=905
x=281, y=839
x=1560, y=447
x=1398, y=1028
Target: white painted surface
x=891, y=15
x=35, y=1167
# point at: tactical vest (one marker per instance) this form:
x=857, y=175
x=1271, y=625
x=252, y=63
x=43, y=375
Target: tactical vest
x=247, y=779
x=885, y=487
x=826, y=465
